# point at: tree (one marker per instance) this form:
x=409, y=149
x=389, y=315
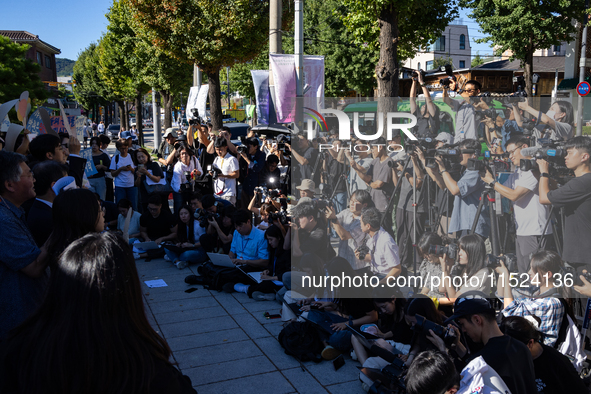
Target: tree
x=213, y=34
x=19, y=73
x=399, y=28
x=442, y=61
x=477, y=61
x=524, y=27
x=89, y=89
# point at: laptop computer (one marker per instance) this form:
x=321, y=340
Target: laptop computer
x=221, y=260
x=146, y=245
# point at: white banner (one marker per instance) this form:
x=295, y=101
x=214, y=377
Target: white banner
x=202, y=101
x=192, y=102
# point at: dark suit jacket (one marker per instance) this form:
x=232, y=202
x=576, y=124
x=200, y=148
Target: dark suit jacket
x=40, y=222
x=76, y=168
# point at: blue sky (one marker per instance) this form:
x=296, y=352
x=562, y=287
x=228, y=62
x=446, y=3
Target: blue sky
x=72, y=25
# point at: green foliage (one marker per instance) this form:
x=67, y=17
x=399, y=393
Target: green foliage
x=477, y=61
x=64, y=67
x=442, y=61
x=89, y=89
x=18, y=73
x=420, y=22
x=240, y=76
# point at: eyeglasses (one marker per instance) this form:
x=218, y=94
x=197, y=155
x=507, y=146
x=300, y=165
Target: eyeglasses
x=512, y=152
x=153, y=209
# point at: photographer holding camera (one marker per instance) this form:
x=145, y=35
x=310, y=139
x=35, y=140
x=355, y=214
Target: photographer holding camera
x=166, y=152
x=225, y=171
x=186, y=170
x=511, y=127
x=381, y=251
x=530, y=215
x=427, y=114
x=254, y=159
x=362, y=159
x=466, y=127
x=558, y=122
x=574, y=197
x=308, y=233
x=466, y=192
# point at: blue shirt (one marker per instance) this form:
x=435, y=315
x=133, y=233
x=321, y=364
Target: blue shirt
x=466, y=205
x=250, y=247
x=20, y=294
x=509, y=127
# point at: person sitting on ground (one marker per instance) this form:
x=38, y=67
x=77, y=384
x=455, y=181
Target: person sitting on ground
x=188, y=234
x=555, y=374
x=271, y=278
x=220, y=231
x=195, y=202
x=249, y=246
x=308, y=233
x=157, y=225
x=39, y=220
x=430, y=266
x=133, y=232
x=76, y=212
x=96, y=282
x=509, y=357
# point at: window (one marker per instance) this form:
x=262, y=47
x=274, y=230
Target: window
x=556, y=48
x=440, y=44
x=39, y=58
x=462, y=64
x=429, y=65
x=419, y=66
x=462, y=42
x=47, y=61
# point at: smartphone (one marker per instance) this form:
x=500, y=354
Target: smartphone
x=269, y=316
x=192, y=289
x=338, y=362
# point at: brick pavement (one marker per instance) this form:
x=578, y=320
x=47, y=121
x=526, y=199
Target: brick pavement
x=225, y=345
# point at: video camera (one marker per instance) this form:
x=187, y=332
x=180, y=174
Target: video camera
x=282, y=216
x=265, y=192
x=451, y=250
x=509, y=259
x=450, y=155
x=281, y=140
x=554, y=153
x=423, y=325
x=195, y=118
x=203, y=216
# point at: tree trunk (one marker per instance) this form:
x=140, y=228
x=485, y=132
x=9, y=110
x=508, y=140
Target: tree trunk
x=139, y=116
x=167, y=99
x=387, y=68
x=121, y=106
x=527, y=70
x=215, y=99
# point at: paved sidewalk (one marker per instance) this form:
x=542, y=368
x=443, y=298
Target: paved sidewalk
x=225, y=345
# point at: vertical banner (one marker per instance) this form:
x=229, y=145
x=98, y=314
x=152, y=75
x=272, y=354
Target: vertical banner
x=202, y=101
x=192, y=101
x=90, y=169
x=314, y=82
x=260, y=79
x=284, y=75
x=80, y=122
x=5, y=123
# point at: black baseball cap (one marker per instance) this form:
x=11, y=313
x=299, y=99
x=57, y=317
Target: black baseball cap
x=471, y=303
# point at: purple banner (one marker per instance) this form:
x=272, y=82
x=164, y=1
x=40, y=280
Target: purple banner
x=260, y=79
x=57, y=123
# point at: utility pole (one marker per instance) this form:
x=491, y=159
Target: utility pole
x=299, y=64
x=196, y=75
x=156, y=115
x=583, y=64
x=228, y=81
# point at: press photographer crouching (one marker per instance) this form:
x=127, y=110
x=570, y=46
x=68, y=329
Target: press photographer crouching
x=308, y=233
x=381, y=250
x=530, y=215
x=574, y=198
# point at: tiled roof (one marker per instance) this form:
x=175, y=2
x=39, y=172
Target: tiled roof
x=22, y=36
x=540, y=64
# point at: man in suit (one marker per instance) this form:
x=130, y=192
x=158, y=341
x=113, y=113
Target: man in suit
x=49, y=147
x=40, y=220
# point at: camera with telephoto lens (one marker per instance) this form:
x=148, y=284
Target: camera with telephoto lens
x=195, y=118
x=393, y=379
x=281, y=216
x=423, y=325
x=215, y=172
x=451, y=250
x=509, y=259
x=486, y=113
x=322, y=204
x=415, y=74
x=554, y=153
x=203, y=216
x=363, y=251
x=476, y=165
x=450, y=155
x=242, y=149
x=281, y=140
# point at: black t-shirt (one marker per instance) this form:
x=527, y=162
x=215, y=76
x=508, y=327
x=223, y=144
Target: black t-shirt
x=555, y=374
x=335, y=170
x=316, y=241
x=158, y=227
x=512, y=360
x=401, y=332
x=575, y=197
x=426, y=127
x=456, y=173
x=102, y=159
x=357, y=307
x=156, y=171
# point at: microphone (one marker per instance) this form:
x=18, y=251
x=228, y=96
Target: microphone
x=530, y=152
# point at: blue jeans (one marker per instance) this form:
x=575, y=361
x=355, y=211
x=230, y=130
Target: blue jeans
x=194, y=256
x=178, y=201
x=127, y=192
x=100, y=186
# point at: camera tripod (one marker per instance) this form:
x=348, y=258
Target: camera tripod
x=488, y=196
x=554, y=228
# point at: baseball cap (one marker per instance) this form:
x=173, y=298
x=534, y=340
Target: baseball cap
x=471, y=303
x=307, y=184
x=445, y=137
x=305, y=200
x=171, y=131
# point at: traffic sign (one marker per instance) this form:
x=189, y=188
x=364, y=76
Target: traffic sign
x=583, y=88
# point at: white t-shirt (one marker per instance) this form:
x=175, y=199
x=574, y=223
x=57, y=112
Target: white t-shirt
x=530, y=215
x=134, y=224
x=384, y=252
x=125, y=178
x=101, y=127
x=225, y=187
x=178, y=176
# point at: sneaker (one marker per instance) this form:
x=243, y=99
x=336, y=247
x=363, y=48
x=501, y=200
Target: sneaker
x=228, y=287
x=353, y=355
x=136, y=256
x=167, y=258
x=365, y=387
x=330, y=353
x=181, y=264
x=241, y=288
x=257, y=295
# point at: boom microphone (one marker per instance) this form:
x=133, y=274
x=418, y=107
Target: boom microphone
x=530, y=152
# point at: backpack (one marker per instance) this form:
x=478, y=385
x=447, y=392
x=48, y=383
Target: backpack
x=214, y=277
x=301, y=340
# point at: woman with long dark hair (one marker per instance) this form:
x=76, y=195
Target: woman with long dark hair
x=472, y=273
x=91, y=335
x=147, y=170
x=102, y=162
x=76, y=212
x=188, y=250
x=271, y=278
